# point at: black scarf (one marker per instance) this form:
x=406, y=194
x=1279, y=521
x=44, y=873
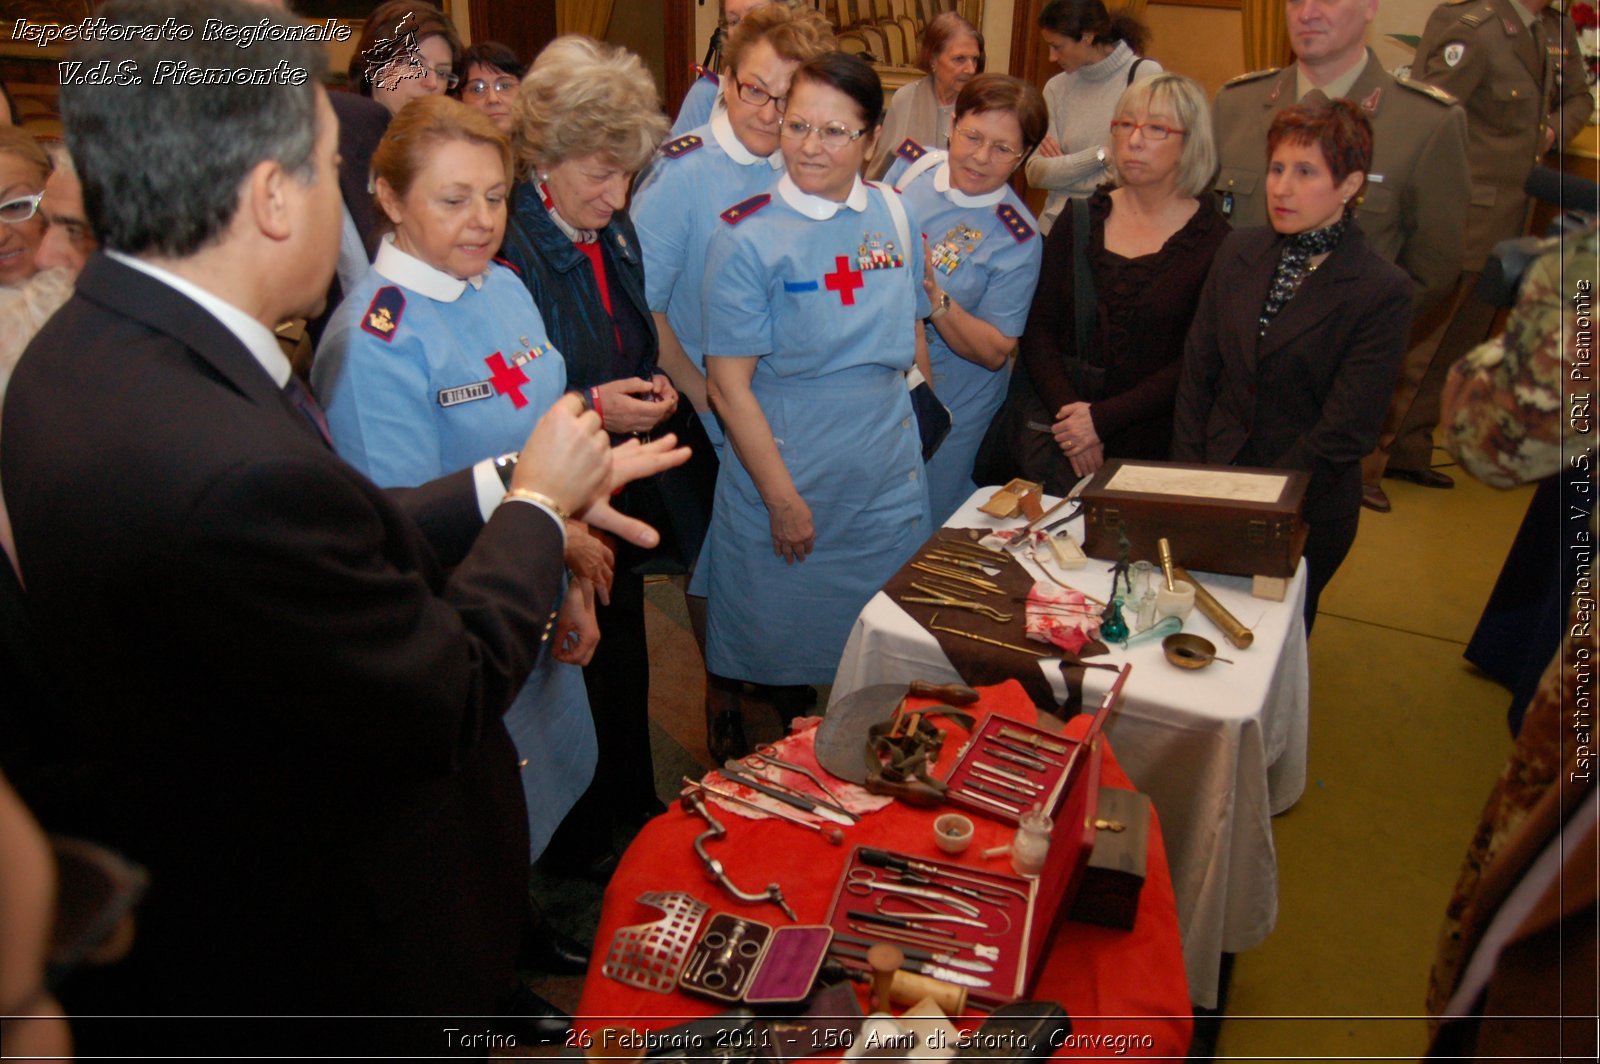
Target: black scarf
x=1292, y=270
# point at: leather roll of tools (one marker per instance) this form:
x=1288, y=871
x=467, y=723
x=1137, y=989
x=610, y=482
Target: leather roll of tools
x=1216, y=612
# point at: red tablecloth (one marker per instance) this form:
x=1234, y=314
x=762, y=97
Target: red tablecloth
x=1125, y=990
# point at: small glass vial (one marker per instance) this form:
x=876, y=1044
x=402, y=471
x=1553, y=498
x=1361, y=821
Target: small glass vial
x=1032, y=843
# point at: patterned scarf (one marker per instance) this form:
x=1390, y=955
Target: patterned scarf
x=1292, y=271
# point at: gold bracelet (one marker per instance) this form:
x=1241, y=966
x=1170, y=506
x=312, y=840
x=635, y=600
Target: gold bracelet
x=542, y=499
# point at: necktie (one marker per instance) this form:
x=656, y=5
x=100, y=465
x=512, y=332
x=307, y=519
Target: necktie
x=303, y=402
x=1314, y=98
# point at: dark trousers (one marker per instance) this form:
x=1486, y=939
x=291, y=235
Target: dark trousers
x=618, y=683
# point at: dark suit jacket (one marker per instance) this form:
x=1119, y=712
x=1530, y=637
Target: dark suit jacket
x=290, y=712
x=1312, y=392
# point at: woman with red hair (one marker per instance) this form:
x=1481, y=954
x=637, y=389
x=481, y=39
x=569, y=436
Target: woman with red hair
x=1298, y=337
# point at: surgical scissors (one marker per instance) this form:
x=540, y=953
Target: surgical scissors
x=863, y=881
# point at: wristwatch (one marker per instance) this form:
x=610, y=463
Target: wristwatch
x=506, y=466
x=941, y=308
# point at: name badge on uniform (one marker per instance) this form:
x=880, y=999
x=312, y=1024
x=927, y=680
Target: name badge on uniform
x=467, y=393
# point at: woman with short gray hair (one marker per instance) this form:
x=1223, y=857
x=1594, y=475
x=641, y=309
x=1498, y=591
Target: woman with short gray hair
x=586, y=120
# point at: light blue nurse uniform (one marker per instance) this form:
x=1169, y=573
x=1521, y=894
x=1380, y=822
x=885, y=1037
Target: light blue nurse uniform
x=422, y=374
x=826, y=295
x=698, y=103
x=986, y=256
x=676, y=208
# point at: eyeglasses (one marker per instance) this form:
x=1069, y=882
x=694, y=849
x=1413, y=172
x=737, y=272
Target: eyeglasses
x=14, y=212
x=1124, y=127
x=975, y=141
x=832, y=135
x=446, y=75
x=499, y=86
x=756, y=96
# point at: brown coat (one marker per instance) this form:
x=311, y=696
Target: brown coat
x=1514, y=82
x=1416, y=195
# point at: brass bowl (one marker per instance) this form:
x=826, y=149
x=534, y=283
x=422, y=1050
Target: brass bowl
x=1188, y=651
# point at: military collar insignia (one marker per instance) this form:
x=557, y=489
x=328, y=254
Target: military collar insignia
x=745, y=208
x=1370, y=104
x=910, y=150
x=382, y=318
x=677, y=149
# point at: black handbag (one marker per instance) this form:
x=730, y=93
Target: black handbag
x=1019, y=441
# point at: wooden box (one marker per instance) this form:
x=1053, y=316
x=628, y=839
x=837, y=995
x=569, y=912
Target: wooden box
x=1218, y=519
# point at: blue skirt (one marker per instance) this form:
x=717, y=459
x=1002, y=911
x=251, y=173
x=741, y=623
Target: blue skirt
x=850, y=443
x=553, y=730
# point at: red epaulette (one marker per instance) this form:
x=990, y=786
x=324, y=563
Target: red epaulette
x=740, y=211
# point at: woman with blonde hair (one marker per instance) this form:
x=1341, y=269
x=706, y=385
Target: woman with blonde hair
x=24, y=168
x=586, y=120
x=1103, y=385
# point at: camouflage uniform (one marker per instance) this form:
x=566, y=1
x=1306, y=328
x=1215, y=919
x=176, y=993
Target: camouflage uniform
x=1511, y=417
x=1511, y=422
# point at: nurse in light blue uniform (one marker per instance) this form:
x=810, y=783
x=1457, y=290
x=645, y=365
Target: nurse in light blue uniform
x=439, y=359
x=812, y=318
x=678, y=200
x=698, y=103
x=983, y=256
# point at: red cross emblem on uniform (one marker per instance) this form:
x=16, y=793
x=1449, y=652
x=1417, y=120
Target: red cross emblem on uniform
x=507, y=380
x=843, y=280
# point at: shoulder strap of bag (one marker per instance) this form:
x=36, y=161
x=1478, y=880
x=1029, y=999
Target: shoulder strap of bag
x=1084, y=309
x=920, y=167
x=897, y=210
x=1134, y=69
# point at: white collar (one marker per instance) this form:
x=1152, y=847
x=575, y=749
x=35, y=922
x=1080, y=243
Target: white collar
x=941, y=183
x=815, y=207
x=728, y=140
x=259, y=340
x=408, y=271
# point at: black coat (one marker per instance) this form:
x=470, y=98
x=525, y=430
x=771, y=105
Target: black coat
x=290, y=712
x=1312, y=392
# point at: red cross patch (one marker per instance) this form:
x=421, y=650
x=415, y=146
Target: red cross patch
x=843, y=280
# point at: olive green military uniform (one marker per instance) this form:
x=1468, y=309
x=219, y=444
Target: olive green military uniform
x=1416, y=195
x=1514, y=81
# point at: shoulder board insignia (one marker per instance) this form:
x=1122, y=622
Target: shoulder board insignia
x=382, y=318
x=742, y=210
x=1432, y=92
x=508, y=264
x=676, y=149
x=703, y=72
x=1254, y=75
x=1456, y=3
x=910, y=150
x=1014, y=222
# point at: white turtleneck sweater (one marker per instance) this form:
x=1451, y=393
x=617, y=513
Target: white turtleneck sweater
x=1082, y=105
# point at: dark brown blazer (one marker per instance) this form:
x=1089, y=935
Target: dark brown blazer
x=1311, y=393
x=290, y=710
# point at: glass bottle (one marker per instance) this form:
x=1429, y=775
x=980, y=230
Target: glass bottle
x=1032, y=842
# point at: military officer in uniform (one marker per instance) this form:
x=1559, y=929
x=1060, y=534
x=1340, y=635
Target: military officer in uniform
x=1517, y=71
x=1416, y=195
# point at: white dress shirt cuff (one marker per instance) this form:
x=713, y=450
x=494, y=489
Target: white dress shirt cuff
x=492, y=491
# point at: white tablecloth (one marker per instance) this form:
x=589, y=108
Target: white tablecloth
x=1218, y=750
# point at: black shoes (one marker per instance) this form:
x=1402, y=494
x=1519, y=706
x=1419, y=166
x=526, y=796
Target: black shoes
x=1423, y=478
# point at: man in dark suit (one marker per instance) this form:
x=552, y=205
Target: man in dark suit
x=285, y=683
